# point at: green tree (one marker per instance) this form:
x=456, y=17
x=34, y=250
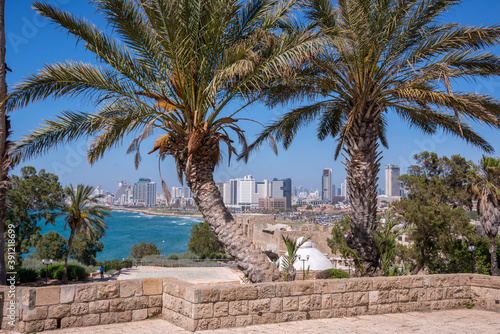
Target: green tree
x=142, y=249
x=485, y=186
x=85, y=249
x=288, y=260
x=434, y=208
x=386, y=238
x=51, y=245
x=83, y=215
x=203, y=240
x=33, y=198
x=172, y=67
x=384, y=57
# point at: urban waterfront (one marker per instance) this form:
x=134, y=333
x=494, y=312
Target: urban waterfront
x=129, y=228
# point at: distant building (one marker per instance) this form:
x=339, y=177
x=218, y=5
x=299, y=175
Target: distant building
x=124, y=194
x=344, y=190
x=392, y=184
x=326, y=185
x=144, y=192
x=269, y=203
x=282, y=187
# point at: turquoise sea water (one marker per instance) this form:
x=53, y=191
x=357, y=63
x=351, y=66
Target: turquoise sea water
x=129, y=228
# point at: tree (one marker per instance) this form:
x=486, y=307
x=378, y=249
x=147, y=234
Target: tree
x=51, y=245
x=84, y=249
x=33, y=198
x=384, y=56
x=203, y=240
x=172, y=67
x=485, y=186
x=138, y=251
x=385, y=237
x=83, y=215
x=434, y=207
x=291, y=256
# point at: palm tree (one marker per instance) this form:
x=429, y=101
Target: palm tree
x=485, y=186
x=384, y=56
x=288, y=260
x=174, y=69
x=82, y=214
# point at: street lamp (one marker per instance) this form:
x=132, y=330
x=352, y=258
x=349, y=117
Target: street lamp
x=161, y=251
x=471, y=250
x=47, y=270
x=303, y=266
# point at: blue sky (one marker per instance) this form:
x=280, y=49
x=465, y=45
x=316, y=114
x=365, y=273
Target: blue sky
x=32, y=42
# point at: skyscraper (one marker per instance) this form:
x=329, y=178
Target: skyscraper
x=145, y=192
x=392, y=184
x=282, y=187
x=326, y=185
x=344, y=190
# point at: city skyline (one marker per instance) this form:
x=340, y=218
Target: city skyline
x=32, y=42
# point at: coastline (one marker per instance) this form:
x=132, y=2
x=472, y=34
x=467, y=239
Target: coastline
x=156, y=213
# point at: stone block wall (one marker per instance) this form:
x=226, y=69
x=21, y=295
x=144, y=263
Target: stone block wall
x=91, y=304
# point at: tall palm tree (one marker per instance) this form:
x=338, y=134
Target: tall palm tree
x=485, y=186
x=174, y=69
x=384, y=56
x=82, y=214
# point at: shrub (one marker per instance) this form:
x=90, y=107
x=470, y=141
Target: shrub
x=332, y=273
x=75, y=272
x=187, y=255
x=25, y=275
x=173, y=256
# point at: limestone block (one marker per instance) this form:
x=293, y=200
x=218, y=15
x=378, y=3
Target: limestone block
x=38, y=313
x=71, y=322
x=337, y=300
x=326, y=301
x=141, y=314
x=276, y=305
x=340, y=312
x=418, y=294
x=356, y=310
x=85, y=293
x=67, y=294
x=266, y=318
x=405, y=282
x=304, y=303
x=116, y=305
x=246, y=292
x=79, y=308
x=302, y=288
x=153, y=286
x=47, y=295
x=385, y=283
x=266, y=290
x=260, y=305
x=358, y=284
x=290, y=304
x=373, y=297
x=100, y=306
x=404, y=295
x=360, y=298
x=238, y=307
x=34, y=326
x=348, y=299
x=108, y=290
x=326, y=314
x=207, y=324
x=243, y=320
x=91, y=320
x=125, y=316
x=154, y=311
x=209, y=295
x=203, y=311
x=417, y=282
x=59, y=311
x=130, y=288
x=28, y=298
x=227, y=322
x=108, y=318
x=180, y=320
x=135, y=303
x=155, y=301
x=283, y=289
x=315, y=302
x=50, y=324
x=221, y=309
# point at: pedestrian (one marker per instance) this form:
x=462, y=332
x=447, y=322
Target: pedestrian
x=102, y=272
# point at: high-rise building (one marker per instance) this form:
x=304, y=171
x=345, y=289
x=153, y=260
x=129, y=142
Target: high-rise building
x=326, y=185
x=334, y=191
x=282, y=187
x=144, y=192
x=392, y=184
x=344, y=190
x=124, y=193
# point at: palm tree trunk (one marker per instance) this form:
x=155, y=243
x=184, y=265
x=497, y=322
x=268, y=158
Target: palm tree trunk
x=65, y=269
x=4, y=163
x=363, y=166
x=493, y=254
x=249, y=258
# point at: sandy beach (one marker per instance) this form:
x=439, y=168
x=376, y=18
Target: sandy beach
x=156, y=213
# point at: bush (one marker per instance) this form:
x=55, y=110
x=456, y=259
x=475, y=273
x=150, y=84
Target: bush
x=50, y=270
x=173, y=256
x=332, y=273
x=25, y=275
x=187, y=255
x=75, y=272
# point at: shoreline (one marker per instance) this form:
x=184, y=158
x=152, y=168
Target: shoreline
x=155, y=213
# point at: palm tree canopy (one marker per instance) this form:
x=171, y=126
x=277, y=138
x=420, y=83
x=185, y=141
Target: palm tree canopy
x=168, y=65
x=82, y=213
x=388, y=55
x=485, y=181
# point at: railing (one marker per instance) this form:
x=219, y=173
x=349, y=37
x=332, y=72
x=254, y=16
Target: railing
x=164, y=262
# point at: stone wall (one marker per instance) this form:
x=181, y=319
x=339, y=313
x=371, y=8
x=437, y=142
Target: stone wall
x=91, y=304
x=197, y=307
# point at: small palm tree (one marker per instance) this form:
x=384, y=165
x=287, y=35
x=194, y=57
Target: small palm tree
x=382, y=57
x=289, y=259
x=170, y=67
x=82, y=214
x=485, y=186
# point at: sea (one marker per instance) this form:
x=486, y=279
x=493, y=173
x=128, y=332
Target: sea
x=128, y=228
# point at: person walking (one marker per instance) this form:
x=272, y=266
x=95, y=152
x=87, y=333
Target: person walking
x=102, y=272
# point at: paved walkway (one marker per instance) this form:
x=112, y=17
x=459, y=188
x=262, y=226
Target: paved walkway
x=443, y=322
